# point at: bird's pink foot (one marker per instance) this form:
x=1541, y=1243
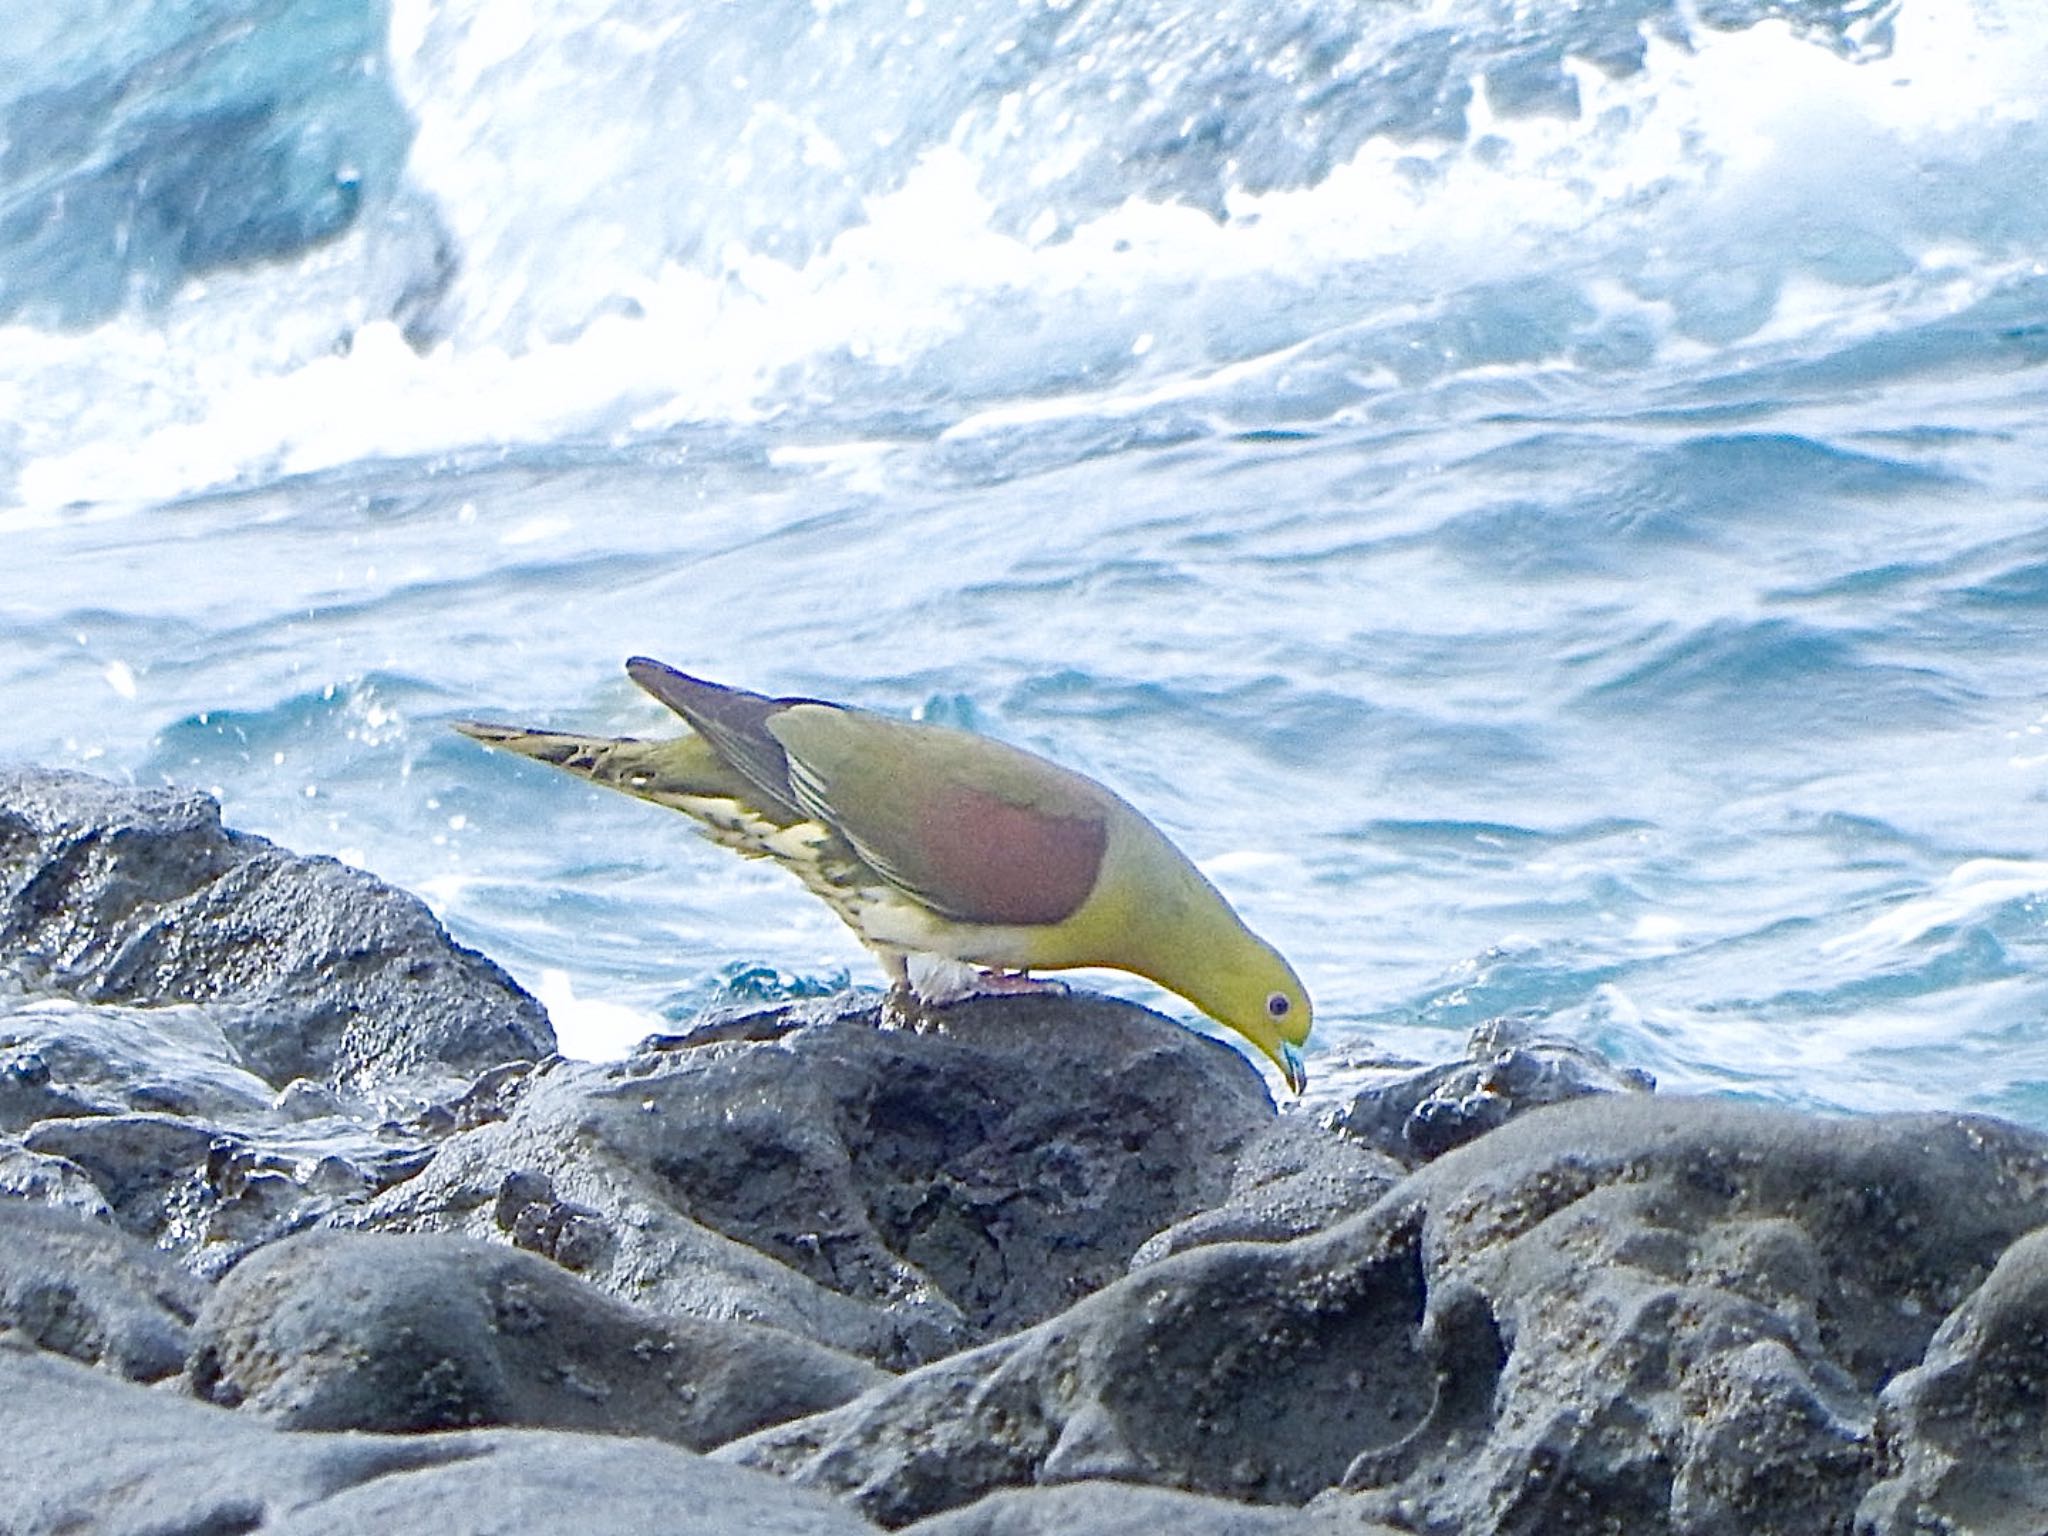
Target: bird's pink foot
x=1010, y=983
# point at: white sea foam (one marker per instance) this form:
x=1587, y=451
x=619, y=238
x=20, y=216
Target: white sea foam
x=592, y=1029
x=1491, y=482
x=574, y=316
x=1967, y=893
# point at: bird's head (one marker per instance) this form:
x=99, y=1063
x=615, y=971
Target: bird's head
x=1250, y=987
x=1162, y=919
x=1210, y=958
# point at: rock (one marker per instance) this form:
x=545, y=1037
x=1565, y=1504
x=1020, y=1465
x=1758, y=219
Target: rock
x=1296, y=1177
x=311, y=969
x=151, y=1169
x=1472, y=1300
x=63, y=1059
x=46, y=1180
x=1508, y=1068
x=339, y=1330
x=1125, y=1509
x=316, y=1005
x=88, y=1453
x=27, y=1093
x=1632, y=1314
x=211, y=1194
x=893, y=1193
x=80, y=1288
x=1965, y=1433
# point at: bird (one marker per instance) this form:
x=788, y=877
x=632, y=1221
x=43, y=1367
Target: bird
x=927, y=840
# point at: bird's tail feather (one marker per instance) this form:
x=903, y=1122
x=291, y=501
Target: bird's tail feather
x=665, y=772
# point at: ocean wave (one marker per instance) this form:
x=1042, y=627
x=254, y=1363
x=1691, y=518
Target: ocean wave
x=605, y=224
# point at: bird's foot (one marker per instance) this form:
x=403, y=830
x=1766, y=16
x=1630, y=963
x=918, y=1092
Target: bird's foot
x=919, y=1001
x=905, y=1008
x=1014, y=983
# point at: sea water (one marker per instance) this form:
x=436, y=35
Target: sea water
x=1547, y=505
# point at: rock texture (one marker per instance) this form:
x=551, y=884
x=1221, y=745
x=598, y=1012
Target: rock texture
x=1126, y=1509
x=336, y=1330
x=1515, y=1293
x=1635, y=1314
x=1509, y=1067
x=146, y=1116
x=312, y=969
x=889, y=1192
x=1296, y=1177
x=1965, y=1432
x=80, y=1288
x=211, y=1040
x=88, y=1453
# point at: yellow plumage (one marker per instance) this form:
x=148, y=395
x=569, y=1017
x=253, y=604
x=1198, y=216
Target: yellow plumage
x=927, y=840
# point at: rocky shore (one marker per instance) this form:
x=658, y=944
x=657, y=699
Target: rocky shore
x=305, y=1228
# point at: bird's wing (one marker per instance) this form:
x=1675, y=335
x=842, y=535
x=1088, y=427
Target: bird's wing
x=735, y=723
x=978, y=831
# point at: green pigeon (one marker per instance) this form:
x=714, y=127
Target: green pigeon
x=932, y=841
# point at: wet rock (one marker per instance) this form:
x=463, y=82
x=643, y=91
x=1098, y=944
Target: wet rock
x=62, y=1059
x=326, y=1005
x=1471, y=1300
x=150, y=1168
x=1633, y=1314
x=43, y=1179
x=1296, y=1177
x=1508, y=1068
x=1126, y=1509
x=337, y=1330
x=27, y=1094
x=209, y=1194
x=86, y=1452
x=1965, y=1433
x=309, y=968
x=80, y=1288
x=889, y=1192
x=145, y=1114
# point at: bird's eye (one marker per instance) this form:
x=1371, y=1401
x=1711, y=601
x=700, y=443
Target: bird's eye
x=1278, y=1005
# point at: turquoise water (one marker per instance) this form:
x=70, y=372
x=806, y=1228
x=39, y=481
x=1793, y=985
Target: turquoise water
x=1574, y=546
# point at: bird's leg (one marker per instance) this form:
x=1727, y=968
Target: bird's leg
x=1003, y=983
x=903, y=1007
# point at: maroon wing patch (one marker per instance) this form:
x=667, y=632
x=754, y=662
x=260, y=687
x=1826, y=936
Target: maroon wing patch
x=985, y=860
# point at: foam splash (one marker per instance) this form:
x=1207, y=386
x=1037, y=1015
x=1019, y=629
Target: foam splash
x=1747, y=187
x=592, y=1029
x=1967, y=894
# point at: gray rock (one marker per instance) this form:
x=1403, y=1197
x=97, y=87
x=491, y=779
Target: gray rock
x=204, y=1192
x=27, y=1093
x=533, y=1482
x=889, y=1192
x=61, y=1059
x=86, y=1452
x=80, y=1288
x=43, y=1179
x=1126, y=1509
x=326, y=1004
x=312, y=969
x=1965, y=1433
x=150, y=1168
x=337, y=1330
x=1296, y=1177
x=1634, y=1314
x=1414, y=1115
x=64, y=1059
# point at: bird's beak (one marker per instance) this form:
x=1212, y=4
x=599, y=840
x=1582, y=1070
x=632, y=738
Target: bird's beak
x=1292, y=1069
